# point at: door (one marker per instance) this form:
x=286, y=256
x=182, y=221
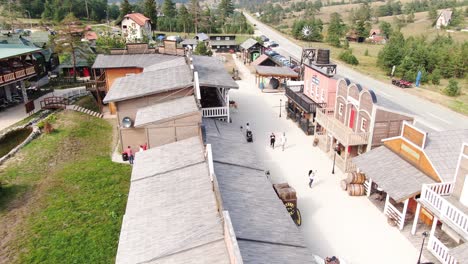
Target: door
x=352, y=116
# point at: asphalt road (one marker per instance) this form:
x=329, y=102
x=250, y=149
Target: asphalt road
x=429, y=114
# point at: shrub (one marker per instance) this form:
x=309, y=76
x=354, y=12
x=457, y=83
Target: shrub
x=348, y=57
x=435, y=76
x=452, y=89
x=366, y=53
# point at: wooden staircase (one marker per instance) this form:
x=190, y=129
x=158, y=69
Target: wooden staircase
x=84, y=110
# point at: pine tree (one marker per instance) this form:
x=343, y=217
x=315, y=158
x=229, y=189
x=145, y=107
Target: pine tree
x=385, y=28
x=183, y=18
x=125, y=8
x=168, y=9
x=336, y=29
x=225, y=8
x=150, y=11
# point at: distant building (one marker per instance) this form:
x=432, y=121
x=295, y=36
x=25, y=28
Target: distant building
x=135, y=26
x=223, y=42
x=444, y=18
x=376, y=36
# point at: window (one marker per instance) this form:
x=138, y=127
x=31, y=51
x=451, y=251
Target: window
x=340, y=109
x=218, y=47
x=227, y=38
x=317, y=91
x=218, y=38
x=322, y=97
x=133, y=24
x=363, y=124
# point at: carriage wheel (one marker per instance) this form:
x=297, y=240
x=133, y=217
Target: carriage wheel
x=297, y=218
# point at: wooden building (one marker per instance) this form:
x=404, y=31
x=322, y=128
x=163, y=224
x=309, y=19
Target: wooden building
x=251, y=50
x=223, y=43
x=17, y=64
x=357, y=123
x=423, y=174
x=265, y=60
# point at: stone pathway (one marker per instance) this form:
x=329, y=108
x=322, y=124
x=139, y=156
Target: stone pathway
x=333, y=222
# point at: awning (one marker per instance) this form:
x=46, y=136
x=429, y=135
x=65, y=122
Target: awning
x=394, y=175
x=272, y=71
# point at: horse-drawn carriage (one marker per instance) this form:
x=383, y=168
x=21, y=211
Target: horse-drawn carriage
x=287, y=194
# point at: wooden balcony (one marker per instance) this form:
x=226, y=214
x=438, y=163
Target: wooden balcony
x=303, y=101
x=432, y=197
x=18, y=74
x=440, y=251
x=345, y=135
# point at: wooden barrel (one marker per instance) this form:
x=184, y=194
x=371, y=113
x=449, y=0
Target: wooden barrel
x=323, y=56
x=344, y=185
x=356, y=178
x=356, y=189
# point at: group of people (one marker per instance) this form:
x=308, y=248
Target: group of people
x=283, y=140
x=129, y=152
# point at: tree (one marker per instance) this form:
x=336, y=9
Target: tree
x=225, y=8
x=385, y=29
x=150, y=11
x=336, y=29
x=452, y=89
x=393, y=52
x=183, y=18
x=195, y=12
x=125, y=8
x=69, y=38
x=432, y=13
x=113, y=11
x=202, y=49
x=168, y=9
x=348, y=57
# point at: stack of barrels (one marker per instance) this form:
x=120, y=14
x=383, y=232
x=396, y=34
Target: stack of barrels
x=354, y=184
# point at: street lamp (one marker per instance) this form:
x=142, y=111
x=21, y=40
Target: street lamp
x=280, y=108
x=334, y=157
x=425, y=234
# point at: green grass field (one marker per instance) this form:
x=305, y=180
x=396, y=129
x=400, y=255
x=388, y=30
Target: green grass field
x=63, y=198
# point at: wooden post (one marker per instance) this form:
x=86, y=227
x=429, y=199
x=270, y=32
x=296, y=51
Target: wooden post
x=434, y=225
x=228, y=108
x=98, y=95
x=369, y=187
x=403, y=215
x=416, y=219
x=387, y=200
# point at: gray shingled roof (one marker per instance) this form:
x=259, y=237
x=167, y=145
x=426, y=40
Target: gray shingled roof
x=130, y=60
x=265, y=232
x=172, y=216
x=223, y=42
x=211, y=73
x=250, y=42
x=443, y=150
x=178, y=61
x=166, y=110
x=189, y=42
x=191, y=149
x=148, y=83
x=275, y=71
x=171, y=213
x=394, y=175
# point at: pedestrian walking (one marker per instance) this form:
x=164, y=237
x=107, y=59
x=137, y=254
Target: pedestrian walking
x=272, y=140
x=283, y=140
x=311, y=177
x=141, y=148
x=130, y=154
x=247, y=127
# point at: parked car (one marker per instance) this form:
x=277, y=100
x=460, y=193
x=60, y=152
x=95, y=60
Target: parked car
x=264, y=38
x=271, y=53
x=273, y=44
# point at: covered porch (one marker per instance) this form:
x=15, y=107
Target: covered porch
x=391, y=177
x=282, y=74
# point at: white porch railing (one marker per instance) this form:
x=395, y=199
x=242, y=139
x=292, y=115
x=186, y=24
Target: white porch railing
x=439, y=250
x=445, y=208
x=443, y=188
x=392, y=212
x=215, y=111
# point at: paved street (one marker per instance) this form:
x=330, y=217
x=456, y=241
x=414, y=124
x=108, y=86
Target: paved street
x=333, y=222
x=429, y=114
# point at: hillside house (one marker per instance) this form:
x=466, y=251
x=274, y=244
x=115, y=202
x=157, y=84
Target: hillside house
x=357, y=123
x=135, y=27
x=443, y=19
